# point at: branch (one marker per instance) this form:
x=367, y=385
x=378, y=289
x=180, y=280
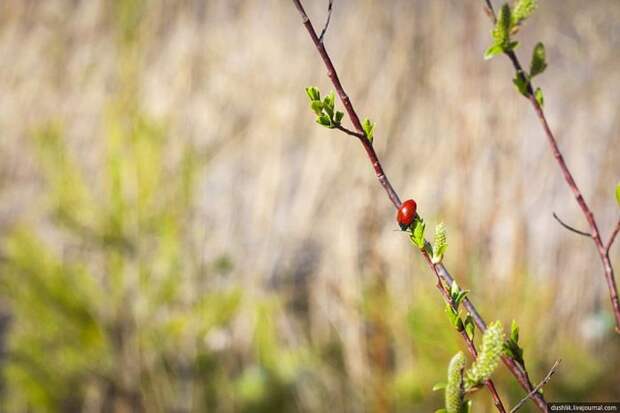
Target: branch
x=537, y=388
x=440, y=271
x=330, y=7
x=568, y=227
x=350, y=132
x=613, y=237
x=570, y=181
x=471, y=347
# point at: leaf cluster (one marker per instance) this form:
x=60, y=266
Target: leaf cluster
x=326, y=115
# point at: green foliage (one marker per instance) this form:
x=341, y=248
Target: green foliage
x=511, y=345
x=488, y=357
x=313, y=93
x=440, y=243
x=508, y=22
x=470, y=326
x=521, y=82
x=326, y=115
x=454, y=393
x=501, y=34
x=618, y=193
x=55, y=335
x=522, y=10
x=417, y=233
x=452, y=310
x=539, y=63
x=369, y=129
x=538, y=95
x=122, y=304
x=457, y=295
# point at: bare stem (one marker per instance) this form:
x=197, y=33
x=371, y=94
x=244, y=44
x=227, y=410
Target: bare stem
x=614, y=234
x=439, y=270
x=570, y=181
x=568, y=227
x=538, y=387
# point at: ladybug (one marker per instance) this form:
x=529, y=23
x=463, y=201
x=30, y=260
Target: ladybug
x=406, y=214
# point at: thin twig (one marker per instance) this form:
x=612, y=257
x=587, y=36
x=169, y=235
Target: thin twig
x=614, y=234
x=329, y=16
x=570, y=181
x=440, y=271
x=537, y=388
x=568, y=227
x=489, y=10
x=352, y=133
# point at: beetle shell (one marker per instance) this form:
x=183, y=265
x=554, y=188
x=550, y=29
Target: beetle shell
x=406, y=213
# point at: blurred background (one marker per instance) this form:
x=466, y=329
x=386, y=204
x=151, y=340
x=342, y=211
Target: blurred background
x=178, y=235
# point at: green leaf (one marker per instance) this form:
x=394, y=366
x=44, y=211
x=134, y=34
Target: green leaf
x=313, y=93
x=501, y=31
x=467, y=406
x=470, y=327
x=512, y=45
x=439, y=386
x=538, y=94
x=618, y=193
x=317, y=107
x=512, y=349
x=328, y=104
x=440, y=244
x=417, y=235
x=441, y=411
x=369, y=129
x=452, y=314
x=454, y=289
x=324, y=120
x=521, y=83
x=501, y=34
x=338, y=117
x=522, y=10
x=460, y=326
x=538, y=64
x=492, y=51
x=459, y=297
x=514, y=331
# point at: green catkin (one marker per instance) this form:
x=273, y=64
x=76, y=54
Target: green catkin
x=488, y=358
x=522, y=10
x=441, y=243
x=501, y=31
x=454, y=387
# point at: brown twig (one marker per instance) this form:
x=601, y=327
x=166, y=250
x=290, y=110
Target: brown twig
x=350, y=132
x=570, y=181
x=612, y=238
x=568, y=227
x=538, y=387
x=330, y=7
x=439, y=270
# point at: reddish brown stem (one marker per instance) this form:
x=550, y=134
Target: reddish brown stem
x=439, y=270
x=603, y=251
x=346, y=102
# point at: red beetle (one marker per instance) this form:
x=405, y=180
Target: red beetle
x=406, y=213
